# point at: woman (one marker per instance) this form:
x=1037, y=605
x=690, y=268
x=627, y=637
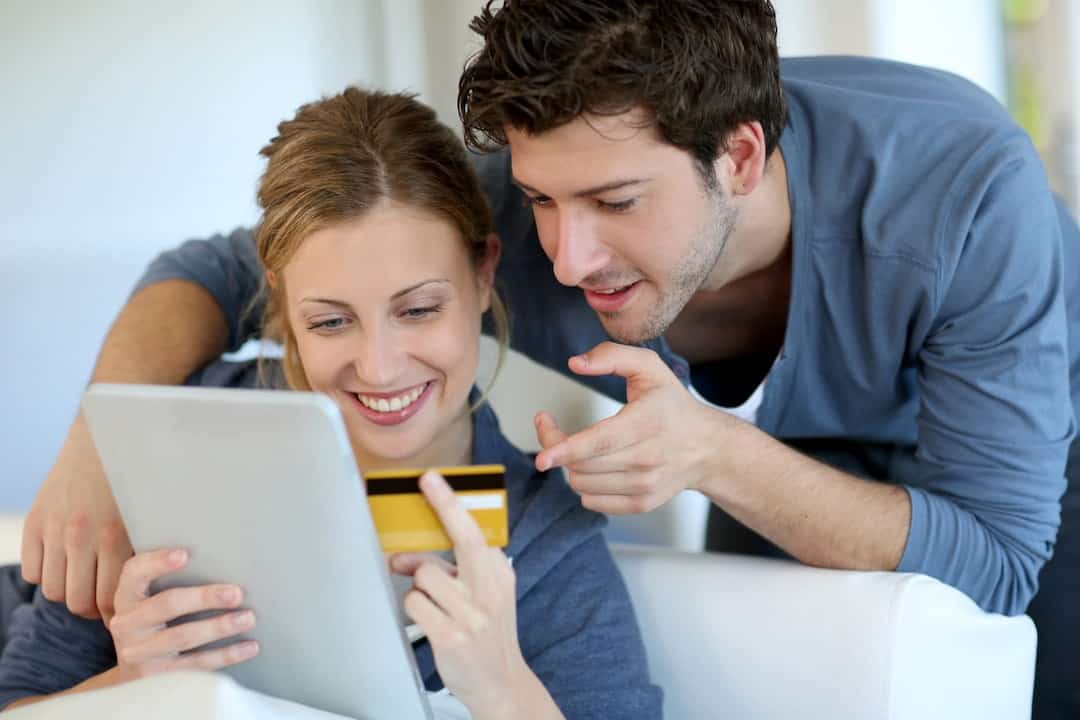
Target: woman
x=379, y=262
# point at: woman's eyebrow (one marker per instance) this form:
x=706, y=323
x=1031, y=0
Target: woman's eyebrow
x=346, y=306
x=327, y=301
x=417, y=286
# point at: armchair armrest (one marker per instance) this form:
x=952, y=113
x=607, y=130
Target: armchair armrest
x=753, y=638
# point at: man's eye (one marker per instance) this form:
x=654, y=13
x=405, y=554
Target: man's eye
x=537, y=201
x=422, y=312
x=618, y=207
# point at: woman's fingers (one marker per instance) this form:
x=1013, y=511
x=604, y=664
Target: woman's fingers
x=407, y=563
x=217, y=658
x=448, y=592
x=143, y=569
x=423, y=611
x=174, y=640
x=469, y=545
x=171, y=604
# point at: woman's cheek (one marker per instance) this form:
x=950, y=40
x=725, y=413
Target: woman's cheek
x=317, y=361
x=454, y=350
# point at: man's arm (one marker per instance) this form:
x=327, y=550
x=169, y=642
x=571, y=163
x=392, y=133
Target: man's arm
x=820, y=515
x=74, y=543
x=166, y=332
x=664, y=441
x=193, y=303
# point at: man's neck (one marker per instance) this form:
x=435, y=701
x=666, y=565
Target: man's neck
x=742, y=308
x=746, y=317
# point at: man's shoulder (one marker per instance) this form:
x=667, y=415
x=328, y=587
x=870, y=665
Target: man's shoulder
x=888, y=102
x=898, y=156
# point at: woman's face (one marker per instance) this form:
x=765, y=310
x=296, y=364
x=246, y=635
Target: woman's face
x=386, y=312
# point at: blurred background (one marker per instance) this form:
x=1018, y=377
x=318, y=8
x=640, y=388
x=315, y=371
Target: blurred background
x=130, y=126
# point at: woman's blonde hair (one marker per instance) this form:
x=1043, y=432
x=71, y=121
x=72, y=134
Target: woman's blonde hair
x=340, y=157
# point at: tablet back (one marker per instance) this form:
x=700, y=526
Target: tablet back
x=262, y=488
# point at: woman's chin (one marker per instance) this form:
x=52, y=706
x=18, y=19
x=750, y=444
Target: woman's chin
x=387, y=455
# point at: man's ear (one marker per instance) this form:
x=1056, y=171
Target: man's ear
x=742, y=166
x=485, y=273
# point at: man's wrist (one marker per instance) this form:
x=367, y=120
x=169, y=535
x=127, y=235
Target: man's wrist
x=526, y=699
x=724, y=441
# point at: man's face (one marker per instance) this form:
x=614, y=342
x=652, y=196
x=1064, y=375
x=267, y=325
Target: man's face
x=624, y=216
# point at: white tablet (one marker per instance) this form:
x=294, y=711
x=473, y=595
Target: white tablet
x=262, y=488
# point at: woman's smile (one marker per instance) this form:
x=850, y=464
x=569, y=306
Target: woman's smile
x=392, y=408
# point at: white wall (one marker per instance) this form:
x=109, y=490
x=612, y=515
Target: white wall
x=127, y=127
x=961, y=36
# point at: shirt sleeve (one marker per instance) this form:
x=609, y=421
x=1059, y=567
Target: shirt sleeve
x=227, y=267
x=577, y=627
x=996, y=419
x=49, y=650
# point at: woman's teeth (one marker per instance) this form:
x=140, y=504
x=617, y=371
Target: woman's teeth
x=394, y=404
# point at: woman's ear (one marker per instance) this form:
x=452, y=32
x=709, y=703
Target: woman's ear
x=271, y=279
x=485, y=273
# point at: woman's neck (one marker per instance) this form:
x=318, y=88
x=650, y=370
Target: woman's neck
x=453, y=446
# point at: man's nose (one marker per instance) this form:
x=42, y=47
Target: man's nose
x=577, y=251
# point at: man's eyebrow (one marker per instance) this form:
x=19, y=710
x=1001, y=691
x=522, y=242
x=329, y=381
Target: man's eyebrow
x=597, y=190
x=344, y=305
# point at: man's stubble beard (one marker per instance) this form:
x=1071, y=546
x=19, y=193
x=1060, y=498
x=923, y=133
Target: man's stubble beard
x=686, y=278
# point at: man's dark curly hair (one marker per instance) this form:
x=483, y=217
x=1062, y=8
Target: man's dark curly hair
x=699, y=67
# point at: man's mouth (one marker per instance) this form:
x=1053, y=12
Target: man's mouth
x=610, y=299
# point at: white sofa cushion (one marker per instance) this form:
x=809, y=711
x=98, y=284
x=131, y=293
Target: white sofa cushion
x=752, y=638
x=179, y=696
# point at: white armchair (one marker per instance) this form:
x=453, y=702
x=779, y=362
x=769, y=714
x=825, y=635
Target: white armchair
x=756, y=639
x=735, y=637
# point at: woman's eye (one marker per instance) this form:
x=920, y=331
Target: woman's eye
x=331, y=324
x=421, y=312
x=617, y=207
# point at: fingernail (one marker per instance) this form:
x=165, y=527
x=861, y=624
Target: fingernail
x=543, y=464
x=435, y=483
x=177, y=557
x=229, y=595
x=248, y=648
x=244, y=620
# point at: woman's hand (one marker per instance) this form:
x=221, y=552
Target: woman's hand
x=469, y=614
x=146, y=646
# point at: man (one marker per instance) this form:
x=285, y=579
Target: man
x=862, y=259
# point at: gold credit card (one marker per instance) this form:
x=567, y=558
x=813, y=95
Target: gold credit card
x=406, y=523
